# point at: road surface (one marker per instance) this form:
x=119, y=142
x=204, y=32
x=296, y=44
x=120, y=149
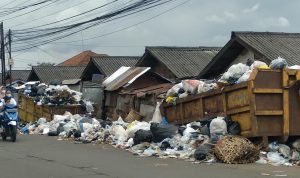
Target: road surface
x=35, y=156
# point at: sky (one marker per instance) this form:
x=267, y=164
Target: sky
x=191, y=23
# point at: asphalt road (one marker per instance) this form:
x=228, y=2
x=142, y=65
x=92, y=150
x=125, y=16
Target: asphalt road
x=36, y=156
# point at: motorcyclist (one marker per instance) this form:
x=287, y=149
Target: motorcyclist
x=8, y=99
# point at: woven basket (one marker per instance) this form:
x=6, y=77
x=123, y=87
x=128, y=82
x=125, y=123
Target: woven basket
x=132, y=116
x=236, y=150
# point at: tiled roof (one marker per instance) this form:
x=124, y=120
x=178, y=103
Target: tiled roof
x=183, y=61
x=81, y=59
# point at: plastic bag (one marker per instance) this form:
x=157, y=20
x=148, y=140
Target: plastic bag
x=258, y=64
x=235, y=72
x=218, y=125
x=204, y=87
x=41, y=121
x=275, y=158
x=142, y=136
x=190, y=86
x=295, y=67
x=278, y=63
x=273, y=147
x=296, y=144
x=201, y=152
x=157, y=117
x=245, y=77
x=284, y=150
x=69, y=126
x=174, y=91
x=133, y=127
x=161, y=132
x=119, y=133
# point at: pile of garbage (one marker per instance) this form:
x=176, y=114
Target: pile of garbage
x=204, y=141
x=236, y=74
x=57, y=95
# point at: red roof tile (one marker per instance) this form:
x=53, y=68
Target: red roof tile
x=81, y=59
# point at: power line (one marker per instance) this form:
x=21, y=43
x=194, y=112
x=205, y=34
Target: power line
x=134, y=7
x=128, y=27
x=54, y=13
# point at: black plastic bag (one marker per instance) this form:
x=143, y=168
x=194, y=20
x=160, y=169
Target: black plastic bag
x=205, y=130
x=142, y=136
x=165, y=145
x=77, y=134
x=53, y=133
x=234, y=128
x=181, y=129
x=161, y=132
x=202, y=152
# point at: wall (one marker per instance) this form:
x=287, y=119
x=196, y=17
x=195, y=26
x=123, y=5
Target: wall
x=157, y=67
x=94, y=93
x=243, y=57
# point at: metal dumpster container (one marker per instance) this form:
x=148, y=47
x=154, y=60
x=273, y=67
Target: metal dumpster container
x=267, y=105
x=29, y=111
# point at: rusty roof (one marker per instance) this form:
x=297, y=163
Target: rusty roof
x=156, y=89
x=81, y=59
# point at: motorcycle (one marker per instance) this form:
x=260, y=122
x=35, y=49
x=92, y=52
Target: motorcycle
x=9, y=121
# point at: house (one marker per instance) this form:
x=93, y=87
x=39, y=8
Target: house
x=47, y=74
x=106, y=65
x=124, y=81
x=177, y=62
x=17, y=76
x=81, y=59
x=263, y=46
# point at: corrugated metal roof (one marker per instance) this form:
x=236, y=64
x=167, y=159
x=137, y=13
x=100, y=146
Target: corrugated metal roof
x=109, y=64
x=268, y=45
x=19, y=74
x=273, y=44
x=127, y=78
x=184, y=61
x=49, y=73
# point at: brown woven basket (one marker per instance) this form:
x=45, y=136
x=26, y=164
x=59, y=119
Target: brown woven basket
x=236, y=150
x=132, y=116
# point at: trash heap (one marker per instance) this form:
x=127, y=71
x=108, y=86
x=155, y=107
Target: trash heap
x=211, y=140
x=52, y=94
x=236, y=74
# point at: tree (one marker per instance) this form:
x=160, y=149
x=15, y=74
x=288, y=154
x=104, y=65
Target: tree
x=42, y=64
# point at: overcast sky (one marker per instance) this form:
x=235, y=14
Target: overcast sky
x=195, y=23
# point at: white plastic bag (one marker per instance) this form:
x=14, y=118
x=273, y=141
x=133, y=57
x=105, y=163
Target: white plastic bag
x=257, y=64
x=235, y=71
x=218, y=126
x=295, y=67
x=245, y=77
x=119, y=133
x=41, y=121
x=275, y=159
x=157, y=117
x=174, y=90
x=190, y=86
x=204, y=87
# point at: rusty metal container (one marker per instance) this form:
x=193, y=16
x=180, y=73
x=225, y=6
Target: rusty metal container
x=267, y=105
x=30, y=112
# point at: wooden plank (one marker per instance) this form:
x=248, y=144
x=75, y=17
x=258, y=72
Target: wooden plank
x=286, y=117
x=267, y=90
x=224, y=102
x=238, y=110
x=252, y=104
x=266, y=113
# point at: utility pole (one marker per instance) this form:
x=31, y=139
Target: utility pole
x=2, y=54
x=10, y=60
